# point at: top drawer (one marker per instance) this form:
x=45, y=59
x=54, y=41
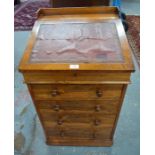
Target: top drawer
x=73, y=76
x=76, y=92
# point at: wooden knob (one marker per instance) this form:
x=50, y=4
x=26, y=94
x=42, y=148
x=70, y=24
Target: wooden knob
x=56, y=107
x=97, y=122
x=60, y=122
x=97, y=108
x=98, y=93
x=55, y=92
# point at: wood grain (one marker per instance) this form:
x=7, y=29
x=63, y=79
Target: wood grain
x=74, y=76
x=97, y=106
x=76, y=92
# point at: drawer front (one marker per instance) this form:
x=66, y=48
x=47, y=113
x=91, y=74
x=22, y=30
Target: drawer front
x=101, y=106
x=76, y=92
x=90, y=118
x=74, y=76
x=79, y=132
x=69, y=141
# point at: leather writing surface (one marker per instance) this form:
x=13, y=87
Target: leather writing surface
x=77, y=43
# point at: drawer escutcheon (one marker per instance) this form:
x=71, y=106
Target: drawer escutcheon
x=99, y=93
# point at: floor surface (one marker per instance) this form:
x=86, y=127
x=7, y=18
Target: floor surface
x=131, y=7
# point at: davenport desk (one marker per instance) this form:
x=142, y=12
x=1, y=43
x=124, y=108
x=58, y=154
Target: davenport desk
x=77, y=66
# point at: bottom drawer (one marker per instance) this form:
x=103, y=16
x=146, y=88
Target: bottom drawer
x=67, y=141
x=81, y=134
x=79, y=131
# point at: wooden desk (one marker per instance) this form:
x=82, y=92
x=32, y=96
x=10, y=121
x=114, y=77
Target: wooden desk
x=77, y=66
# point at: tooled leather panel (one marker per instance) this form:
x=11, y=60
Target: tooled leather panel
x=77, y=42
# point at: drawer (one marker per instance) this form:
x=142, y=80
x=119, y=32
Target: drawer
x=76, y=92
x=90, y=118
x=101, y=106
x=75, y=130
x=69, y=141
x=81, y=133
x=75, y=76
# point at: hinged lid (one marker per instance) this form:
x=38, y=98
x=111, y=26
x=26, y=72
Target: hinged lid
x=77, y=38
